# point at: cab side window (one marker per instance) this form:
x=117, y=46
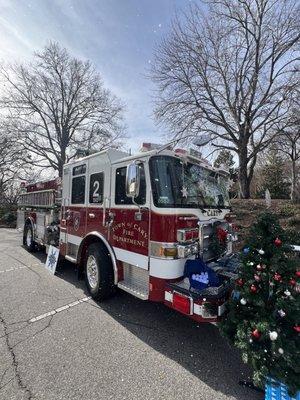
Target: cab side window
x=120, y=189
x=78, y=185
x=96, y=188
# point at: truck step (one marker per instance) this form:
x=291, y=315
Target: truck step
x=135, y=290
x=71, y=259
x=135, y=281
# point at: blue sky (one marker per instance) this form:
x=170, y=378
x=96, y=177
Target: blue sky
x=118, y=36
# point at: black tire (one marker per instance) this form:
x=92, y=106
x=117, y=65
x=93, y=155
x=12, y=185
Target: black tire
x=102, y=285
x=28, y=240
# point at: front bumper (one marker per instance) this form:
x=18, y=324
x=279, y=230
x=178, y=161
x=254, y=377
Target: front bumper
x=206, y=305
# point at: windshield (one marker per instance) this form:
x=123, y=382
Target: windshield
x=186, y=185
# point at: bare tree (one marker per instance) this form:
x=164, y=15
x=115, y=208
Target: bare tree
x=14, y=166
x=229, y=72
x=288, y=141
x=58, y=103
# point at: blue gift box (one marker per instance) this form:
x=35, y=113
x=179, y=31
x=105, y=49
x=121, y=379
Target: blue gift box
x=199, y=267
x=275, y=390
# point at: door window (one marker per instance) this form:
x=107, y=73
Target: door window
x=78, y=190
x=120, y=189
x=96, y=188
x=78, y=185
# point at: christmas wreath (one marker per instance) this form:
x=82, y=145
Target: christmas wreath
x=218, y=240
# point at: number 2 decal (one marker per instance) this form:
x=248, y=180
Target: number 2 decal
x=96, y=186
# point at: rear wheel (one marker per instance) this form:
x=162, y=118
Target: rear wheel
x=99, y=274
x=28, y=239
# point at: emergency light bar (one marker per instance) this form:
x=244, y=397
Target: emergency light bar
x=150, y=146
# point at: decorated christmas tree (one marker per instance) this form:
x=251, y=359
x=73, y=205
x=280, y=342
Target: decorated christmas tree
x=263, y=318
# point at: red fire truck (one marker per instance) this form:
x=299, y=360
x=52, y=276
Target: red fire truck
x=132, y=222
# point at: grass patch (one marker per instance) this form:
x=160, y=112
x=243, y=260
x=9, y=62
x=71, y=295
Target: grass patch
x=287, y=210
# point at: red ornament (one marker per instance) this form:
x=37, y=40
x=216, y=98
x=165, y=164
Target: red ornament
x=256, y=334
x=221, y=235
x=298, y=274
x=277, y=277
x=292, y=282
x=259, y=267
x=239, y=282
x=253, y=288
x=297, y=328
x=257, y=277
x=277, y=242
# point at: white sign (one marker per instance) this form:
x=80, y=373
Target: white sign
x=52, y=259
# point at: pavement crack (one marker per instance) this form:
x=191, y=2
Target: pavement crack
x=3, y=375
x=15, y=363
x=6, y=383
x=35, y=333
x=15, y=330
x=21, y=321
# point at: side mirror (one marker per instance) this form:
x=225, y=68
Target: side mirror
x=133, y=180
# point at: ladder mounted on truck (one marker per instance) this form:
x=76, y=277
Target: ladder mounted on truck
x=40, y=199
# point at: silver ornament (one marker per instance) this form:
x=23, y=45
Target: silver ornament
x=281, y=313
x=243, y=301
x=280, y=350
x=261, y=252
x=273, y=335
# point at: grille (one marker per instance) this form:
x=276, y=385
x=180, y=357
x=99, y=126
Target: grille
x=206, y=230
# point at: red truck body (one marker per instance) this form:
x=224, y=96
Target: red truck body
x=147, y=239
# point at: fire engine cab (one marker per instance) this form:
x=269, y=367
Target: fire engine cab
x=132, y=222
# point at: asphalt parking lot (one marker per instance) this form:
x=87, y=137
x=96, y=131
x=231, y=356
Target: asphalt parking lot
x=123, y=348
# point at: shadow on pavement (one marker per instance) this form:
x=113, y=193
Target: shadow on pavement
x=199, y=348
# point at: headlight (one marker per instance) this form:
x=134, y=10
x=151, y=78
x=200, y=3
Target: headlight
x=163, y=250
x=173, y=250
x=188, y=250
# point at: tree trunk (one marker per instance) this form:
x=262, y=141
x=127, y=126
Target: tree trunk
x=293, y=185
x=61, y=161
x=244, y=180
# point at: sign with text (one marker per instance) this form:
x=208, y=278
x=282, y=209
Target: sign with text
x=52, y=259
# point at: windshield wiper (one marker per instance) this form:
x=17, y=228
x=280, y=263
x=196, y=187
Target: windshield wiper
x=198, y=203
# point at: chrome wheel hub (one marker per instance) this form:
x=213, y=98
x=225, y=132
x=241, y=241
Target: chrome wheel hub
x=28, y=238
x=92, y=271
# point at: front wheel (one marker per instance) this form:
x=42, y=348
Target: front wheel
x=99, y=274
x=28, y=239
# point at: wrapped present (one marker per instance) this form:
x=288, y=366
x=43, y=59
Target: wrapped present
x=200, y=275
x=278, y=391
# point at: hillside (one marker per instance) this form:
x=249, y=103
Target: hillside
x=246, y=212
